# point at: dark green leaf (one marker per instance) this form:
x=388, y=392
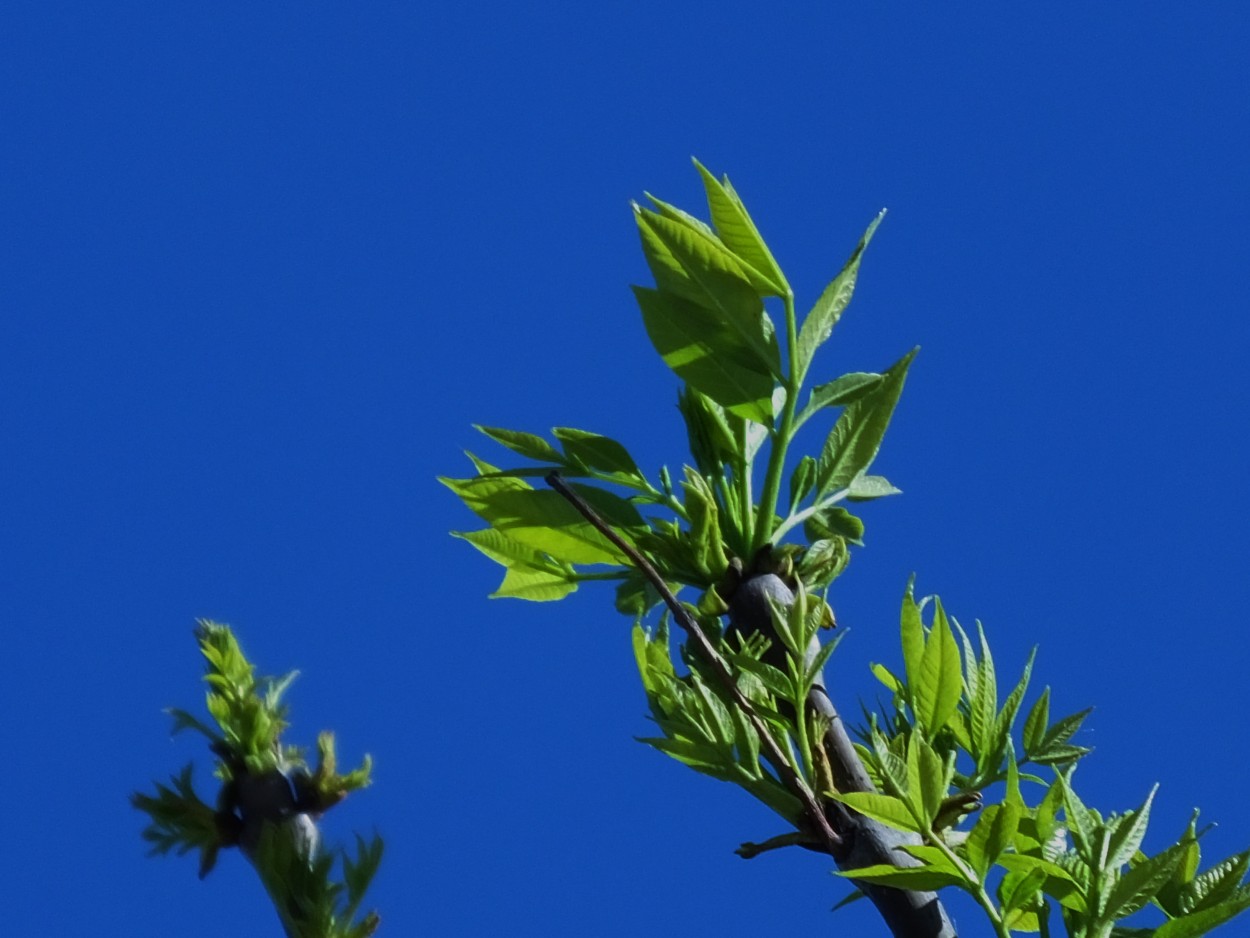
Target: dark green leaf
x=819, y=323
x=801, y=481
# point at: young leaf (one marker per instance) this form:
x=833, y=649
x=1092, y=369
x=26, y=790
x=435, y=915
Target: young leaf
x=936, y=693
x=912, y=877
x=993, y=834
x=535, y=584
x=527, y=444
x=715, y=280
x=884, y=808
x=738, y=232
x=844, y=390
x=1126, y=838
x=865, y=487
x=853, y=443
x=596, y=451
x=1035, y=723
x=818, y=325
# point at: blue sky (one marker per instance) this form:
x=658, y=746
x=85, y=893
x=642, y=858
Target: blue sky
x=262, y=267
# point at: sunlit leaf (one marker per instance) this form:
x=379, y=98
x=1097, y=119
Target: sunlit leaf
x=527, y=444
x=884, y=808
x=914, y=877
x=596, y=451
x=853, y=443
x=738, y=232
x=819, y=323
x=937, y=691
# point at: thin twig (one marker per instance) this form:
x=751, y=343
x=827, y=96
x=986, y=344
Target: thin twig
x=811, y=807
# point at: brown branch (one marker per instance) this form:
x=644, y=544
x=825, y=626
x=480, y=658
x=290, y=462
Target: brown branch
x=816, y=818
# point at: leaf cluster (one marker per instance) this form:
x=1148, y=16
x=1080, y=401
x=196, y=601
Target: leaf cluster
x=741, y=385
x=946, y=752
x=268, y=799
x=948, y=745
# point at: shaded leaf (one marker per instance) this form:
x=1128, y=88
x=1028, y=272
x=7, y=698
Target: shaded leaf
x=707, y=355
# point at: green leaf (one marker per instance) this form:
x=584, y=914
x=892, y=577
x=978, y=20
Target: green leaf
x=926, y=780
x=1142, y=883
x=834, y=521
x=1204, y=921
x=819, y=323
x=912, y=877
x=596, y=451
x=1059, y=882
x=534, y=584
x=884, y=808
x=993, y=833
x=853, y=443
x=738, y=232
x=844, y=390
x=865, y=487
x=707, y=355
x=1035, y=724
x=886, y=677
x=936, y=694
x=527, y=444
x=912, y=629
x=801, y=481
x=1018, y=889
x=545, y=521
x=1125, y=840
x=1218, y=883
x=715, y=280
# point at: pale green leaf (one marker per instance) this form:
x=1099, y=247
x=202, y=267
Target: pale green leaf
x=936, y=694
x=884, y=808
x=866, y=487
x=527, y=444
x=913, y=877
x=738, y=232
x=912, y=629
